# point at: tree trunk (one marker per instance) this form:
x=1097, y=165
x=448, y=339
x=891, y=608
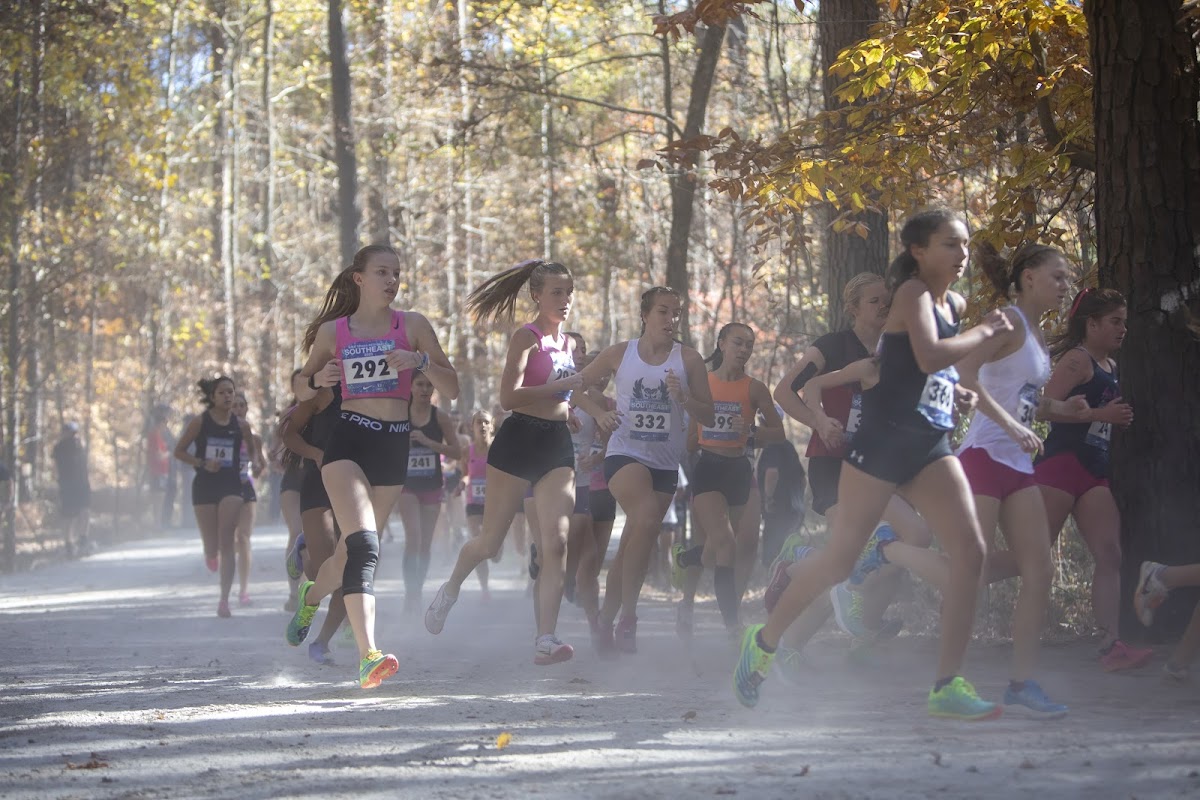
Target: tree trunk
x=843, y=23
x=343, y=135
x=684, y=177
x=547, y=133
x=380, y=108
x=1147, y=86
x=220, y=178
x=268, y=342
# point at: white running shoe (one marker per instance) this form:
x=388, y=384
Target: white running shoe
x=550, y=650
x=439, y=609
x=1150, y=592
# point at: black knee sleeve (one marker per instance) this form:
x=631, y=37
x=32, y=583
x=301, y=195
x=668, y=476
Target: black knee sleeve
x=362, y=551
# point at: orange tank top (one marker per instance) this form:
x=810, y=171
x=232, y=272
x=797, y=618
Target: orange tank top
x=731, y=400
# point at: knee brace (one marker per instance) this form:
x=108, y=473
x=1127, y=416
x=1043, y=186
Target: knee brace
x=362, y=552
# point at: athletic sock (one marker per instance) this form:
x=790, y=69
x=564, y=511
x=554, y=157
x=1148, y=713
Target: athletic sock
x=943, y=682
x=691, y=556
x=758, y=639
x=726, y=590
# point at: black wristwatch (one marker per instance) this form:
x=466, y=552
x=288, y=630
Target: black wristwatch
x=312, y=385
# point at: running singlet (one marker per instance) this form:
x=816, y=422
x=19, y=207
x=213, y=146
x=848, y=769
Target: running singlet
x=552, y=361
x=244, y=470
x=731, y=401
x=842, y=403
x=1015, y=382
x=424, y=465
x=476, y=476
x=1089, y=441
x=365, y=371
x=220, y=443
x=582, y=443
x=321, y=425
x=905, y=396
x=652, y=428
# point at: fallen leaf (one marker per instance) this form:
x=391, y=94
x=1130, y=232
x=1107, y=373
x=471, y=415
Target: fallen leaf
x=937, y=758
x=91, y=763
x=503, y=740
x=1027, y=764
x=579, y=680
x=803, y=773
x=690, y=715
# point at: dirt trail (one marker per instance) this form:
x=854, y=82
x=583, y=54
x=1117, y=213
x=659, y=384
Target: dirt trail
x=118, y=662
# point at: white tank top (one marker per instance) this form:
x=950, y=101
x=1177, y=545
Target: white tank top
x=653, y=426
x=582, y=444
x=1014, y=382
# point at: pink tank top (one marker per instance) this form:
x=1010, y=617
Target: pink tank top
x=476, y=477
x=365, y=371
x=552, y=361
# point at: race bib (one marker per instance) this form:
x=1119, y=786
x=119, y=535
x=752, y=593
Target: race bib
x=219, y=450
x=365, y=369
x=1027, y=404
x=854, y=419
x=422, y=463
x=726, y=417
x=649, y=415
x=477, y=491
x=562, y=365
x=937, y=400
x=1098, y=435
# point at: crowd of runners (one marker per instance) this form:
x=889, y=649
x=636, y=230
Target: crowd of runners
x=560, y=453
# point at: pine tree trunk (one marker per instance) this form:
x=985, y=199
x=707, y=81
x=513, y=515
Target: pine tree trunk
x=843, y=23
x=1147, y=86
x=268, y=342
x=343, y=135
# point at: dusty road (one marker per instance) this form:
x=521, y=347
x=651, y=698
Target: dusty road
x=118, y=662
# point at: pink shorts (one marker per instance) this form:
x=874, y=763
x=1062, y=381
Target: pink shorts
x=430, y=497
x=1065, y=473
x=990, y=478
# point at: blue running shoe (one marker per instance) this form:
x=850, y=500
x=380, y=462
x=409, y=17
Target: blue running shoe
x=300, y=622
x=847, y=610
x=872, y=557
x=1031, y=701
x=752, y=668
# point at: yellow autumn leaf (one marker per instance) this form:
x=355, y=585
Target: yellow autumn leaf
x=503, y=740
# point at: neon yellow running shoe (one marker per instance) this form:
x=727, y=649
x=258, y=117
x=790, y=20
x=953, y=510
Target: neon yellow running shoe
x=958, y=700
x=752, y=668
x=376, y=668
x=678, y=571
x=300, y=622
x=793, y=549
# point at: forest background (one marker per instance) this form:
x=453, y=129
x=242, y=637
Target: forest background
x=180, y=180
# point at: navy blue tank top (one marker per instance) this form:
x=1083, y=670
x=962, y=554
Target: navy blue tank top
x=220, y=443
x=906, y=397
x=424, y=465
x=1089, y=441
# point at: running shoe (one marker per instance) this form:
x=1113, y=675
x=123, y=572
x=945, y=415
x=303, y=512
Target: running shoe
x=752, y=668
x=319, y=652
x=872, y=557
x=535, y=568
x=1174, y=673
x=602, y=638
x=625, y=636
x=1032, y=701
x=684, y=614
x=212, y=563
x=847, y=610
x=1151, y=591
x=244, y=599
x=791, y=666
x=297, y=628
x=1121, y=656
x=793, y=549
x=678, y=571
x=958, y=700
x=778, y=584
x=223, y=609
x=439, y=609
x=293, y=561
x=549, y=649
x=376, y=668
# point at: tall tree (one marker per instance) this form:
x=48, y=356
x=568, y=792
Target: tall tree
x=856, y=240
x=1145, y=99
x=343, y=135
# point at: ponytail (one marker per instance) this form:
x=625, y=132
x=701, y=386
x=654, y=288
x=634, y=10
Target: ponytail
x=496, y=298
x=208, y=388
x=1005, y=273
x=1089, y=304
x=342, y=298
x=916, y=231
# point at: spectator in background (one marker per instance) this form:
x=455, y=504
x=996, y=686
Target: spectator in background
x=74, y=489
x=781, y=483
x=159, y=464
